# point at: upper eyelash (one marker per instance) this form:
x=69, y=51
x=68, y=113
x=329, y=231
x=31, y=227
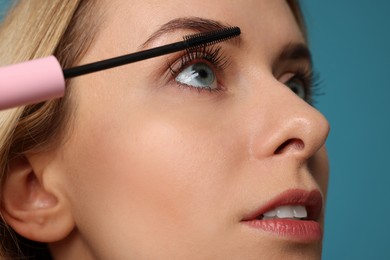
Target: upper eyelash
x=212, y=54
x=312, y=83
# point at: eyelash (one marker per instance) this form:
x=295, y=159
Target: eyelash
x=311, y=82
x=218, y=61
x=213, y=55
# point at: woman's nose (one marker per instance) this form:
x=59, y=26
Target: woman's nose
x=293, y=127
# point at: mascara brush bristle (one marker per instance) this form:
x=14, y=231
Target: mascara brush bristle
x=210, y=38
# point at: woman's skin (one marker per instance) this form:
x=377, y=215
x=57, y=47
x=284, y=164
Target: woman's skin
x=154, y=169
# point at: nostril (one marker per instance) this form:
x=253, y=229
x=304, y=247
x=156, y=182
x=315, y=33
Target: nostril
x=290, y=144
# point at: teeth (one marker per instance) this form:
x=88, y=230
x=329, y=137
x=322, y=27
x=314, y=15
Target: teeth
x=288, y=211
x=300, y=212
x=285, y=212
x=271, y=213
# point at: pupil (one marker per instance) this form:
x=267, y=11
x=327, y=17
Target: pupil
x=202, y=73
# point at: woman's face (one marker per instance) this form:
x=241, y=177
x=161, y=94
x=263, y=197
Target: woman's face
x=165, y=163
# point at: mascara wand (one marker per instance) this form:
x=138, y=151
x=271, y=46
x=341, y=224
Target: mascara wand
x=43, y=79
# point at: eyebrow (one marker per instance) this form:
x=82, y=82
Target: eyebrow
x=195, y=24
x=292, y=51
x=295, y=52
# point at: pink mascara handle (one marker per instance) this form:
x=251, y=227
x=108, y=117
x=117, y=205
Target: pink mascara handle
x=31, y=82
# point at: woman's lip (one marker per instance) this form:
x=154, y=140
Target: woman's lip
x=302, y=231
x=307, y=230
x=312, y=200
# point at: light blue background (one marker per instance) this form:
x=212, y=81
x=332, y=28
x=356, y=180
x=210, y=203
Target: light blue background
x=3, y=7
x=350, y=40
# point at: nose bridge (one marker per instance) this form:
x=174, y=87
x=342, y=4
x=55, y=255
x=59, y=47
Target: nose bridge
x=293, y=126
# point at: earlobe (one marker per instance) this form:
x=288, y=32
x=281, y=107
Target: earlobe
x=31, y=208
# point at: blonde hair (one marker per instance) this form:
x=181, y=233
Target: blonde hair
x=33, y=29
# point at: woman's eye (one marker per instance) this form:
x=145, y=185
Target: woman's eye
x=198, y=75
x=297, y=86
x=296, y=83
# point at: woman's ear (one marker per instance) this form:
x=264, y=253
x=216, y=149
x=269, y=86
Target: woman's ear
x=30, y=203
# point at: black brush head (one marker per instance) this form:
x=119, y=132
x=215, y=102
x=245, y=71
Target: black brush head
x=212, y=37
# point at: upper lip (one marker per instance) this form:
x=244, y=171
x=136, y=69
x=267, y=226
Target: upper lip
x=312, y=200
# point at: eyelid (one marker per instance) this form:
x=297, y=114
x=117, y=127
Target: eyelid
x=286, y=77
x=177, y=66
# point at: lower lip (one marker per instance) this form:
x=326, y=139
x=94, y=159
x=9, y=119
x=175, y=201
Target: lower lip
x=305, y=231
